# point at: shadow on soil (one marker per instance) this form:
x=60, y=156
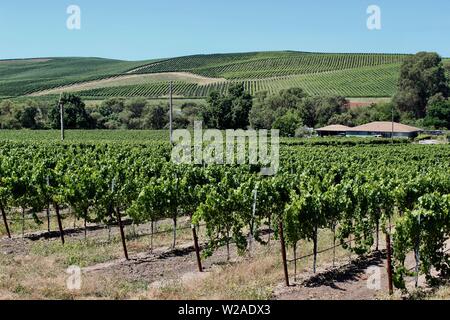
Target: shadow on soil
x=349, y=272
x=36, y=236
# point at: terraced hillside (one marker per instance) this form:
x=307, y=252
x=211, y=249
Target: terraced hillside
x=351, y=75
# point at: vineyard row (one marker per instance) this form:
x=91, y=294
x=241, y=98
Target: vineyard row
x=350, y=191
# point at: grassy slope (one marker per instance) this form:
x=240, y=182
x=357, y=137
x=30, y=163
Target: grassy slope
x=19, y=77
x=351, y=75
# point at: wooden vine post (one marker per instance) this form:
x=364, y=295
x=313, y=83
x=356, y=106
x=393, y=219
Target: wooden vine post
x=283, y=252
x=58, y=216
x=48, y=206
x=389, y=263
x=197, y=248
x=122, y=233
x=5, y=221
x=120, y=224
x=252, y=224
x=417, y=255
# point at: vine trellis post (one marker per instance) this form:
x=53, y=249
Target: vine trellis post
x=120, y=223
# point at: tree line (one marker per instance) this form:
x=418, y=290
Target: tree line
x=422, y=99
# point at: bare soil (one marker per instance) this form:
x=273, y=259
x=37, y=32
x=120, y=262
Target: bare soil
x=350, y=281
x=161, y=267
x=165, y=267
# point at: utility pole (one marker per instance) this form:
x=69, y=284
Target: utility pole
x=61, y=114
x=171, y=111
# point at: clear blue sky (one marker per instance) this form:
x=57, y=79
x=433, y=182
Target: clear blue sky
x=144, y=29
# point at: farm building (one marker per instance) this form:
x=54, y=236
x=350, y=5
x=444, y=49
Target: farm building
x=384, y=129
x=333, y=130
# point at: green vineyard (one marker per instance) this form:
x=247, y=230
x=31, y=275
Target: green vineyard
x=21, y=77
x=350, y=75
x=356, y=192
x=364, y=82
x=268, y=65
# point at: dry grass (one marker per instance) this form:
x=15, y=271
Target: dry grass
x=41, y=272
x=442, y=293
x=34, y=277
x=31, y=277
x=252, y=278
x=247, y=278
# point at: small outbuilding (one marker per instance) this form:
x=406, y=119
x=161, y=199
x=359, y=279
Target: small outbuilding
x=333, y=130
x=385, y=130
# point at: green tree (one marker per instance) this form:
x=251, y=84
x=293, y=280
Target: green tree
x=217, y=113
x=268, y=108
x=438, y=113
x=230, y=111
x=27, y=117
x=262, y=115
x=136, y=106
x=156, y=118
x=8, y=118
x=241, y=104
x=191, y=112
x=75, y=114
x=421, y=77
x=107, y=114
x=328, y=106
x=288, y=124
x=363, y=115
x=307, y=111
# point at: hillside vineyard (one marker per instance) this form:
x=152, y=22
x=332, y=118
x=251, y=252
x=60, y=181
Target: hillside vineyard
x=355, y=75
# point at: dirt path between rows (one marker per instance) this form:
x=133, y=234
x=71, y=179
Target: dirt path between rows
x=347, y=282
x=163, y=267
x=364, y=278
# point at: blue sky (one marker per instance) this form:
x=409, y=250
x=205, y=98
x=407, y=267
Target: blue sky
x=144, y=29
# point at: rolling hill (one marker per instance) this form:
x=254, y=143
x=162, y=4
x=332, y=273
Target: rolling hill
x=269, y=64
x=351, y=75
x=20, y=77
